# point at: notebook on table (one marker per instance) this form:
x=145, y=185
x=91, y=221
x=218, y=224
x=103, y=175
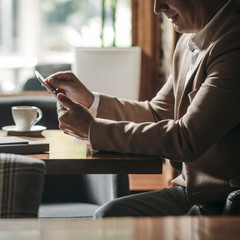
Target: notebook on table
x=22, y=146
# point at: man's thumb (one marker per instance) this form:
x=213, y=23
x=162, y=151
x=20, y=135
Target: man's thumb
x=65, y=100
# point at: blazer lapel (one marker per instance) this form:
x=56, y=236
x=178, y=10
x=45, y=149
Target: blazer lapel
x=183, y=100
x=181, y=81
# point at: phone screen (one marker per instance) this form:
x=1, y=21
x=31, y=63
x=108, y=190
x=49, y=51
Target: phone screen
x=42, y=81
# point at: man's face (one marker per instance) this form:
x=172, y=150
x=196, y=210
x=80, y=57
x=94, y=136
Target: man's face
x=186, y=15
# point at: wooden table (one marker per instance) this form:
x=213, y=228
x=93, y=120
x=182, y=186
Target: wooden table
x=165, y=228
x=69, y=155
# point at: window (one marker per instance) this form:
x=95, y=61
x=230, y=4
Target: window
x=47, y=30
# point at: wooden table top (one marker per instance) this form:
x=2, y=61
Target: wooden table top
x=68, y=155
x=165, y=228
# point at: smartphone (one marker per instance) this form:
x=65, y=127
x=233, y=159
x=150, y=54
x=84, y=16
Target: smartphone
x=42, y=81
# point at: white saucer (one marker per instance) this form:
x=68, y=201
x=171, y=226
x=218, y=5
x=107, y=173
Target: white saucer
x=35, y=130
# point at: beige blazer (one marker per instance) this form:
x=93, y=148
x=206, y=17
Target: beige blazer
x=198, y=124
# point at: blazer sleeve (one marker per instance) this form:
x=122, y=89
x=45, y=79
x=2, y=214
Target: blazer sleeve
x=212, y=114
x=160, y=107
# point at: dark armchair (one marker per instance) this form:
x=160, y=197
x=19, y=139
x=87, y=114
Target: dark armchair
x=79, y=196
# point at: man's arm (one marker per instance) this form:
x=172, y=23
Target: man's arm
x=213, y=112
x=160, y=107
x=110, y=107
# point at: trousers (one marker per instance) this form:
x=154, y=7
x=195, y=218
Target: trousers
x=165, y=202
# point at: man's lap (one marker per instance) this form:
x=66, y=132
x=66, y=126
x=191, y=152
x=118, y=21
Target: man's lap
x=166, y=202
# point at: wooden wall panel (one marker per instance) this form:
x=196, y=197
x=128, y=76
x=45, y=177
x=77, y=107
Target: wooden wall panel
x=146, y=34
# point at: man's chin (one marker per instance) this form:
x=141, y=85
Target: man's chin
x=180, y=29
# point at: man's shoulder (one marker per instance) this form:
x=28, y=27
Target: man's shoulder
x=228, y=42
x=228, y=24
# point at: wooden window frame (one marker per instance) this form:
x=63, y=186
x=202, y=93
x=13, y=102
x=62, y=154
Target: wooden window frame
x=146, y=33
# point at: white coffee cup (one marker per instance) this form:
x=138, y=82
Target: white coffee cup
x=26, y=116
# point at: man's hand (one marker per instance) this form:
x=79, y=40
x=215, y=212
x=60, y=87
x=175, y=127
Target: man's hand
x=74, y=119
x=67, y=83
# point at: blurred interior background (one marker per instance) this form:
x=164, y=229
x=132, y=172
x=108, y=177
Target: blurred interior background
x=42, y=32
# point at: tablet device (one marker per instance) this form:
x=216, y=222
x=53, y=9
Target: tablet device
x=42, y=81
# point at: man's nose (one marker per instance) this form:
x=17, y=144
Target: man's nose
x=160, y=6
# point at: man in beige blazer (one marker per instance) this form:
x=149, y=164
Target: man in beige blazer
x=194, y=120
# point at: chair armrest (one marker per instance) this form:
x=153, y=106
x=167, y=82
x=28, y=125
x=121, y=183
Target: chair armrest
x=232, y=205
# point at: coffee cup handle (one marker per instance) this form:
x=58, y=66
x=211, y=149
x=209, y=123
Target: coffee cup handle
x=39, y=111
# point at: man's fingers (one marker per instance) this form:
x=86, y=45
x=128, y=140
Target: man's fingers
x=56, y=82
x=61, y=75
x=60, y=109
x=65, y=101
